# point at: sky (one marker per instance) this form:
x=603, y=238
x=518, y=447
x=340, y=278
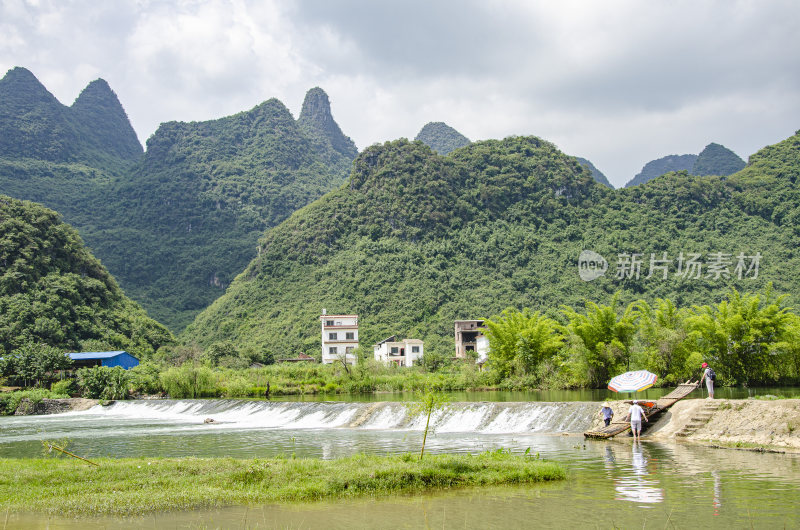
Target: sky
x=619, y=82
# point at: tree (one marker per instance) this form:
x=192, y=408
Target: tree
x=104, y=382
x=606, y=335
x=520, y=341
x=33, y=364
x=741, y=335
x=663, y=335
x=431, y=400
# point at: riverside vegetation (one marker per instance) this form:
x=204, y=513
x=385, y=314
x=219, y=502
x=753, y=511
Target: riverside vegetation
x=136, y=486
x=749, y=339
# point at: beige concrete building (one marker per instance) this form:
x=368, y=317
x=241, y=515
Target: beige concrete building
x=467, y=335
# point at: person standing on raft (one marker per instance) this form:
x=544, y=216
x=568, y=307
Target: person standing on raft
x=606, y=413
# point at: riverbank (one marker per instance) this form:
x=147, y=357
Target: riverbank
x=749, y=424
x=754, y=424
x=145, y=485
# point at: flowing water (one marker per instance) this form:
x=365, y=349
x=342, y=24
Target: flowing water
x=611, y=484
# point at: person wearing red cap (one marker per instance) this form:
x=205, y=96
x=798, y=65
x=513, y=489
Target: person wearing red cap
x=710, y=377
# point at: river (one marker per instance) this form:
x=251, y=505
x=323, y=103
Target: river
x=611, y=483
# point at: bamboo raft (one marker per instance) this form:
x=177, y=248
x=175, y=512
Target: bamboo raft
x=662, y=404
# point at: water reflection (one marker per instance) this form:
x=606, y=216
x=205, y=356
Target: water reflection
x=717, y=502
x=637, y=485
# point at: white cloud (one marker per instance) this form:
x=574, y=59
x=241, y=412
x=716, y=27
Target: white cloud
x=619, y=82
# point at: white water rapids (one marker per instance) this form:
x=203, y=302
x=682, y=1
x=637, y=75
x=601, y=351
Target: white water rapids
x=477, y=417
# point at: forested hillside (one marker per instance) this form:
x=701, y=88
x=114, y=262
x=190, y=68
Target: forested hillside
x=441, y=137
x=596, y=173
x=176, y=225
x=714, y=159
x=54, y=292
x=717, y=159
x=188, y=219
x=663, y=165
x=416, y=240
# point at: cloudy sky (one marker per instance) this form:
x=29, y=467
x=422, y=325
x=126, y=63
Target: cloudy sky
x=619, y=82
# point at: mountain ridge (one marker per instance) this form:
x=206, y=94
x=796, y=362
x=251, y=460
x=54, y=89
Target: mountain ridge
x=177, y=222
x=441, y=137
x=513, y=218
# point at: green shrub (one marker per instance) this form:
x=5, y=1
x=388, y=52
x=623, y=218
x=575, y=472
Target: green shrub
x=65, y=387
x=189, y=381
x=238, y=387
x=145, y=378
x=103, y=382
x=9, y=401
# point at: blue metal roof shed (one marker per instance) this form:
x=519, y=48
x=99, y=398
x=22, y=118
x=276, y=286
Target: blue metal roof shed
x=104, y=358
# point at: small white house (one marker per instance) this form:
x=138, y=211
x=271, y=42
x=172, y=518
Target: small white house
x=339, y=338
x=406, y=352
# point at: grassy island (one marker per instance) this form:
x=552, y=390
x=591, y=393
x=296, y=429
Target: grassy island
x=145, y=485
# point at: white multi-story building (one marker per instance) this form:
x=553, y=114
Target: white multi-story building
x=406, y=352
x=339, y=338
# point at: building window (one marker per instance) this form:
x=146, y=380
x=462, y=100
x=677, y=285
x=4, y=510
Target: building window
x=395, y=350
x=331, y=336
x=332, y=350
x=414, y=349
x=350, y=335
x=348, y=350
x=329, y=322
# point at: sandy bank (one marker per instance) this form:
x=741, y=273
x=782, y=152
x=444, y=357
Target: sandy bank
x=748, y=422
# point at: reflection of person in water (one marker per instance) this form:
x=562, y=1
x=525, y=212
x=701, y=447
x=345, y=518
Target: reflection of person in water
x=717, y=491
x=610, y=459
x=639, y=486
x=638, y=461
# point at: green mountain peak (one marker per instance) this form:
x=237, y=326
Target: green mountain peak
x=103, y=121
x=316, y=118
x=441, y=137
x=33, y=124
x=717, y=159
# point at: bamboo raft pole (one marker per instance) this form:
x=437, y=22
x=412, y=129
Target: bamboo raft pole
x=50, y=446
x=661, y=404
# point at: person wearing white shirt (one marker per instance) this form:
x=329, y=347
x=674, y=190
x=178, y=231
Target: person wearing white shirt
x=636, y=414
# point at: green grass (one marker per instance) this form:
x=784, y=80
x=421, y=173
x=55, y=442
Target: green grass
x=136, y=486
x=9, y=401
x=747, y=446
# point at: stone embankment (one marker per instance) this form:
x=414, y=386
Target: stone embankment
x=53, y=406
